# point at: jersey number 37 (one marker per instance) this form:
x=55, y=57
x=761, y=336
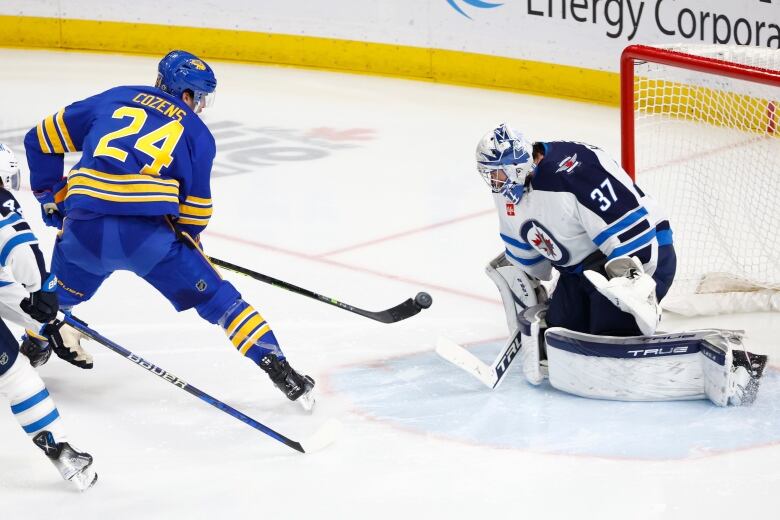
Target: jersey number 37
x=598, y=195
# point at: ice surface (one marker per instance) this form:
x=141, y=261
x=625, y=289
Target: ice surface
x=364, y=189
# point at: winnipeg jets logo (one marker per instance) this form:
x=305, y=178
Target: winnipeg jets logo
x=535, y=234
x=543, y=244
x=568, y=164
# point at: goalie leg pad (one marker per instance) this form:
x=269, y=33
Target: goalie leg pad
x=531, y=323
x=731, y=374
x=664, y=367
x=518, y=290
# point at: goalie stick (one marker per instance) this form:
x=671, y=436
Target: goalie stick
x=491, y=375
x=400, y=312
x=323, y=437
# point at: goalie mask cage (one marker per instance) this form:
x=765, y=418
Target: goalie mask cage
x=699, y=134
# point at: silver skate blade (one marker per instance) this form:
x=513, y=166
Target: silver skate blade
x=323, y=437
x=85, y=478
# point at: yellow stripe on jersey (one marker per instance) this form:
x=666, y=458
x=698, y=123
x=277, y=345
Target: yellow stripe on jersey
x=51, y=131
x=194, y=211
x=61, y=194
x=41, y=139
x=238, y=319
x=79, y=180
x=126, y=177
x=64, y=131
x=193, y=222
x=120, y=198
x=253, y=339
x=198, y=201
x=245, y=329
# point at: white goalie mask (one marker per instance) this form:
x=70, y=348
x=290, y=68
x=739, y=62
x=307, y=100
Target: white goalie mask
x=507, y=150
x=9, y=168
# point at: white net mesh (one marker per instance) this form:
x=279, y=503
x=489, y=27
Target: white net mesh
x=707, y=149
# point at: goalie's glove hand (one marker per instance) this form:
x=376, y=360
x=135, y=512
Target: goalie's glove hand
x=631, y=290
x=43, y=305
x=66, y=343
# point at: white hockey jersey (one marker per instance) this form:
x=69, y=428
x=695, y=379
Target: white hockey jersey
x=22, y=267
x=579, y=209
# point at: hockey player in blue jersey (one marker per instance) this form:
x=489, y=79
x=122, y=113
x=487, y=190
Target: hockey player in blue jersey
x=138, y=200
x=28, y=298
x=569, y=207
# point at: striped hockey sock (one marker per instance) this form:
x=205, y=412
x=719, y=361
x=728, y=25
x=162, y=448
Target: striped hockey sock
x=30, y=401
x=249, y=332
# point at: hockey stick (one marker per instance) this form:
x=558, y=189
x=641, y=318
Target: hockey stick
x=400, y=312
x=321, y=438
x=491, y=376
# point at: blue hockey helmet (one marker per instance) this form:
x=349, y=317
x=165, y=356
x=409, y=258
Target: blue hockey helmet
x=507, y=150
x=180, y=71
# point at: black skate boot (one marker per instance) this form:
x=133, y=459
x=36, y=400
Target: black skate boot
x=295, y=386
x=750, y=367
x=74, y=466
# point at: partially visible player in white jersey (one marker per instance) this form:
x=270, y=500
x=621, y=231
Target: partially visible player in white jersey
x=28, y=298
x=570, y=207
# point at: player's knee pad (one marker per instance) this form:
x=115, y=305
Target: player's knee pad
x=532, y=325
x=518, y=290
x=216, y=306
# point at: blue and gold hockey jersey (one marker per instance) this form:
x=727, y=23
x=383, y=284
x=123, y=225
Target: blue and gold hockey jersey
x=144, y=152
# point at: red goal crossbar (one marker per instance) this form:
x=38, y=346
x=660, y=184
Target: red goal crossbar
x=680, y=60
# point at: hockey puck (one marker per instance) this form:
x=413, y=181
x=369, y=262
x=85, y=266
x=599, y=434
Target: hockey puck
x=423, y=300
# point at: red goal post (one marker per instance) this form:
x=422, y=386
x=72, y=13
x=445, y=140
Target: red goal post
x=699, y=134
x=674, y=58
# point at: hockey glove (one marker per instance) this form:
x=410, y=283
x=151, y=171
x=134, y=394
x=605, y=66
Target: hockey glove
x=50, y=210
x=66, y=343
x=35, y=348
x=630, y=290
x=43, y=305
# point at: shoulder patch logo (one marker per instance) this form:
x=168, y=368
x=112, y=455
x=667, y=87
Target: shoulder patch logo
x=568, y=164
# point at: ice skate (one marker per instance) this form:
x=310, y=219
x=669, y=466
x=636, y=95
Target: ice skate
x=74, y=466
x=295, y=386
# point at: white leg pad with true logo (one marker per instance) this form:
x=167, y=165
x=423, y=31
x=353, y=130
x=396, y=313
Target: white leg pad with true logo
x=662, y=367
x=518, y=290
x=531, y=322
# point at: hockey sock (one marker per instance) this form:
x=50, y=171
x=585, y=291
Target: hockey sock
x=30, y=401
x=249, y=332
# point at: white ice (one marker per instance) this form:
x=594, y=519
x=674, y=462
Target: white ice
x=364, y=189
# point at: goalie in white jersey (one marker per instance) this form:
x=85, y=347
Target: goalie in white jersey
x=570, y=207
x=28, y=298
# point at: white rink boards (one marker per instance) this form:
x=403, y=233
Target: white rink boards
x=364, y=189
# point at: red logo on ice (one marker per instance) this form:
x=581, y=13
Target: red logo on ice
x=510, y=209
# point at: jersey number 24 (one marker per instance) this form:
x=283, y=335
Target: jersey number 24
x=167, y=136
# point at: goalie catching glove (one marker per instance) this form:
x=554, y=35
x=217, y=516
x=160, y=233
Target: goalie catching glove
x=631, y=290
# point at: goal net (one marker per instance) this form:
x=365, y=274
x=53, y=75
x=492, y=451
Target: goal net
x=699, y=134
